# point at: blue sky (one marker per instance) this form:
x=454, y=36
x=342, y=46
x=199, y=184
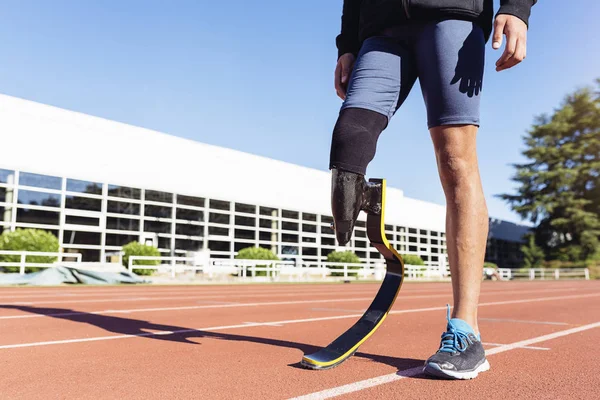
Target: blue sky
x=258, y=77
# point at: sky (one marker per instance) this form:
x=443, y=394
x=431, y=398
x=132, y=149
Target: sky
x=258, y=77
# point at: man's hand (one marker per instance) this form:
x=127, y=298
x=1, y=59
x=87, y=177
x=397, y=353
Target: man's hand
x=516, y=40
x=342, y=74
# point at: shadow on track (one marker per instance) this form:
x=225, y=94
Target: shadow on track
x=147, y=329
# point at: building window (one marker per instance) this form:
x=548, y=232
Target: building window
x=190, y=201
x=434, y=233
x=190, y=215
x=218, y=218
x=267, y=236
x=326, y=219
x=289, y=238
x=423, y=232
x=290, y=214
x=237, y=246
x=309, y=217
x=361, y=254
x=162, y=197
x=412, y=239
x=245, y=208
x=375, y=256
x=74, y=185
x=188, y=244
x=119, y=207
x=308, y=239
x=122, y=224
x=83, y=203
x=40, y=181
x=215, y=245
x=267, y=223
x=325, y=241
x=271, y=212
x=164, y=243
x=289, y=226
x=5, y=195
x=220, y=205
x=360, y=233
x=245, y=221
x=113, y=239
x=214, y=231
x=37, y=217
x=401, y=229
x=7, y=176
x=289, y=250
x=77, y=237
x=189, y=230
x=326, y=230
x=124, y=192
x=39, y=198
x=158, y=211
x=423, y=240
x=244, y=234
x=157, y=227
x=360, y=243
x=309, y=228
x=412, y=248
x=77, y=220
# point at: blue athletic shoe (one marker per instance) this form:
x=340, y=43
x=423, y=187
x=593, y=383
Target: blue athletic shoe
x=461, y=354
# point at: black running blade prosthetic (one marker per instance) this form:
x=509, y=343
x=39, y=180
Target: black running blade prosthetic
x=348, y=343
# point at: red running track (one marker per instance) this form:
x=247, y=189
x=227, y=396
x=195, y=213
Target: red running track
x=246, y=341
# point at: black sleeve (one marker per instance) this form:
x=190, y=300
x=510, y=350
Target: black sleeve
x=518, y=8
x=347, y=41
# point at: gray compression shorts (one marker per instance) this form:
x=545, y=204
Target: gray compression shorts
x=447, y=57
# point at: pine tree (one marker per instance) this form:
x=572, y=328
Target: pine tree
x=533, y=255
x=559, y=189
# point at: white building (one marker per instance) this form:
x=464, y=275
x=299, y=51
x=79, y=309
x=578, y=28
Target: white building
x=98, y=185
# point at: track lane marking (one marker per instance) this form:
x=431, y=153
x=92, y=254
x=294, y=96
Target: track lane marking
x=385, y=379
x=267, y=323
x=201, y=297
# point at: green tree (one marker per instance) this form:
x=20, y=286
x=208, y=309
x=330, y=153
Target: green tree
x=411, y=259
x=559, y=187
x=256, y=253
x=347, y=257
x=28, y=240
x=533, y=255
x=138, y=249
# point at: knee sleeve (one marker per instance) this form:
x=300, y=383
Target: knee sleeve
x=355, y=138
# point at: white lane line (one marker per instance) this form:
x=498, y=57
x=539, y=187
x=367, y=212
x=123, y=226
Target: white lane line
x=200, y=297
x=277, y=303
x=523, y=347
x=284, y=322
x=216, y=294
x=520, y=321
x=384, y=379
x=220, y=305
x=337, y=310
x=263, y=324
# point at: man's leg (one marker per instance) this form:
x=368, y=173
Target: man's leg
x=450, y=57
x=466, y=215
x=383, y=75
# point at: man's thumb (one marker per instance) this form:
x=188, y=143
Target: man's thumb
x=498, y=31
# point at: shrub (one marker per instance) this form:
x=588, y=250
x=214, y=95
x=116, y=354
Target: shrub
x=256, y=253
x=28, y=240
x=344, y=257
x=138, y=249
x=411, y=259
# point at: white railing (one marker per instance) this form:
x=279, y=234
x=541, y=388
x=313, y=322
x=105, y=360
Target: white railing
x=546, y=273
x=276, y=270
x=22, y=263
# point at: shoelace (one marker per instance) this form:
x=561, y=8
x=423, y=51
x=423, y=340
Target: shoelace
x=454, y=340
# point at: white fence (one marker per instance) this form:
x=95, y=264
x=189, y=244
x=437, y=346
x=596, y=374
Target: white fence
x=303, y=271
x=23, y=263
x=546, y=274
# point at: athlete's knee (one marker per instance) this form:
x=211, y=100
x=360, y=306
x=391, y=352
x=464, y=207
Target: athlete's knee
x=355, y=136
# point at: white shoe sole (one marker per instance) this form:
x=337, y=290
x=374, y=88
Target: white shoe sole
x=435, y=370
